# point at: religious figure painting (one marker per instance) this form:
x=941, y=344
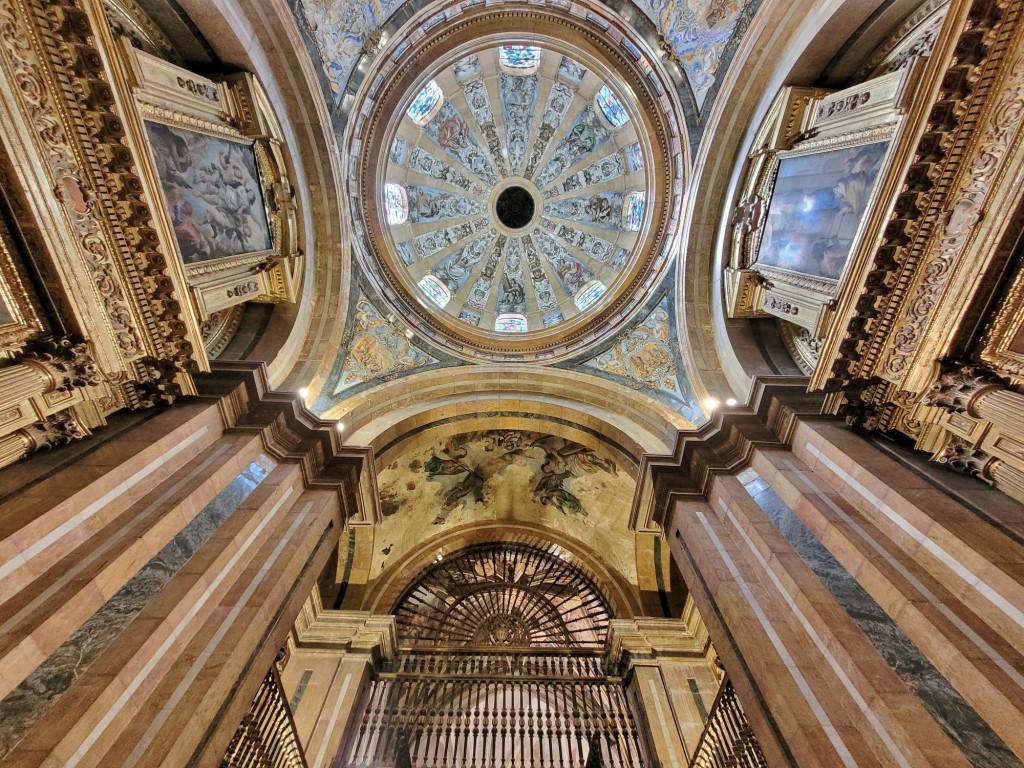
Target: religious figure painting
x=816, y=208
x=212, y=193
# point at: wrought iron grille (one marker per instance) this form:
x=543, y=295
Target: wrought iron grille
x=266, y=737
x=503, y=596
x=473, y=710
x=727, y=741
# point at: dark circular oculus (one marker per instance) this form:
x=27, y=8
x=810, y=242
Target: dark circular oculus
x=514, y=207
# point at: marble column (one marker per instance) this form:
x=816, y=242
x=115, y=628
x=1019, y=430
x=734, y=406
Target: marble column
x=814, y=689
x=328, y=672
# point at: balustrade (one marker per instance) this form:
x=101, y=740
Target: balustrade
x=727, y=741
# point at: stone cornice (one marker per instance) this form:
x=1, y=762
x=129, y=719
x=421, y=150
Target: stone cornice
x=723, y=445
x=290, y=432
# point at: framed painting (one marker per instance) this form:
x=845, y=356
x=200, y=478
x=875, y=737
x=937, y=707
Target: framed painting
x=212, y=193
x=1003, y=344
x=817, y=203
x=19, y=320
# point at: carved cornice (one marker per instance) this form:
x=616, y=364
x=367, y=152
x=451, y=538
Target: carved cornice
x=70, y=99
x=723, y=445
x=292, y=433
x=965, y=139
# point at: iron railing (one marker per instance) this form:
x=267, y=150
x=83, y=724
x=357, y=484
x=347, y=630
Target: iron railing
x=727, y=741
x=266, y=737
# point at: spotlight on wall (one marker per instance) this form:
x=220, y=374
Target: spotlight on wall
x=731, y=401
x=711, y=403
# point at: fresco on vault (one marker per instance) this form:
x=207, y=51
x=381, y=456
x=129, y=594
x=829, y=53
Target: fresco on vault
x=340, y=30
x=507, y=474
x=375, y=350
x=645, y=359
x=212, y=193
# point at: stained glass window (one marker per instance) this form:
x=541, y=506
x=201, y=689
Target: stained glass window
x=510, y=324
x=589, y=293
x=426, y=103
x=436, y=290
x=633, y=211
x=519, y=56
x=612, y=107
x=396, y=203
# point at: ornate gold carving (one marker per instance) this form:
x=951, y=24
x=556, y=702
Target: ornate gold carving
x=802, y=345
x=55, y=430
x=219, y=328
x=67, y=362
x=959, y=384
x=963, y=456
x=127, y=18
x=1002, y=347
x=68, y=98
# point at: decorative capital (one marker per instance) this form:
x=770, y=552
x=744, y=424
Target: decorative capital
x=55, y=430
x=959, y=385
x=66, y=360
x=965, y=457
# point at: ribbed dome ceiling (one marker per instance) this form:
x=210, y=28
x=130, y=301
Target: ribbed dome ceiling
x=515, y=189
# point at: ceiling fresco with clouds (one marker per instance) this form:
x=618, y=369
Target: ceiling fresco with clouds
x=514, y=475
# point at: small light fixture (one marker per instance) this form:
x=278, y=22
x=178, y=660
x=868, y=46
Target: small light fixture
x=712, y=403
x=303, y=393
x=731, y=401
x=341, y=426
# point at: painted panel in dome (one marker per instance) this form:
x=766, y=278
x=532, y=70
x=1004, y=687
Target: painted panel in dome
x=606, y=169
x=603, y=210
x=212, y=193
x=592, y=246
x=339, y=30
x=587, y=134
x=466, y=67
x=399, y=151
x=478, y=295
x=511, y=290
x=645, y=358
x=428, y=204
x=697, y=32
x=450, y=132
x=406, y=253
x=424, y=163
x=518, y=103
x=559, y=98
x=430, y=243
x=468, y=316
x=434, y=289
x=541, y=286
x=634, y=157
x=571, y=273
x=455, y=270
x=552, y=318
x=571, y=70
x=479, y=101
x=510, y=324
x=816, y=208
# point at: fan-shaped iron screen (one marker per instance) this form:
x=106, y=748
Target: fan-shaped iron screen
x=503, y=595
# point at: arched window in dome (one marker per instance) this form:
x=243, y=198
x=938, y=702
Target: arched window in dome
x=633, y=211
x=510, y=323
x=589, y=293
x=396, y=203
x=426, y=104
x=519, y=59
x=611, y=107
x=436, y=290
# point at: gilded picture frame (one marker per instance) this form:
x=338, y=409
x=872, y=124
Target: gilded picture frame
x=19, y=321
x=814, y=201
x=214, y=193
x=1003, y=344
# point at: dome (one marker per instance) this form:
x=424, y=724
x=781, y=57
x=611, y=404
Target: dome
x=512, y=198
